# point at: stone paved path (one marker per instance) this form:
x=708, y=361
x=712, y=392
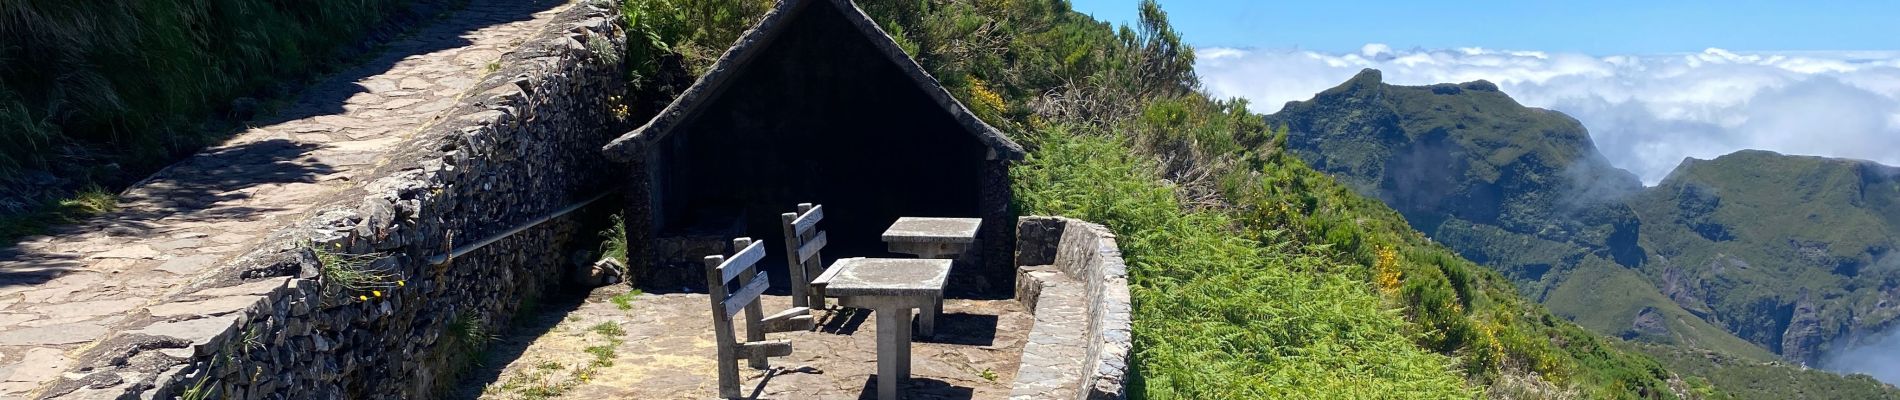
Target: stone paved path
x=662, y=348
x=59, y=293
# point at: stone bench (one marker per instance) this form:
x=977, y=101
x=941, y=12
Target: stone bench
x=1068, y=269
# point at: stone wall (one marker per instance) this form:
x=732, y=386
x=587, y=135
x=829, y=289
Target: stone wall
x=280, y=322
x=1068, y=267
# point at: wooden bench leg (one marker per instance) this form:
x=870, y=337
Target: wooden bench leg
x=817, y=294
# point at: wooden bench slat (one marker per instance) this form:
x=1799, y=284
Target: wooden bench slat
x=751, y=254
x=746, y=295
x=811, y=248
x=790, y=312
x=792, y=319
x=771, y=348
x=809, y=220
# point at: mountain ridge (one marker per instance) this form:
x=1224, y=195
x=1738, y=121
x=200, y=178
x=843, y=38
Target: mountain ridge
x=1525, y=191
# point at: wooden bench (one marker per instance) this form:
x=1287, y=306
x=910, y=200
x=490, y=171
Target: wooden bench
x=743, y=266
x=803, y=241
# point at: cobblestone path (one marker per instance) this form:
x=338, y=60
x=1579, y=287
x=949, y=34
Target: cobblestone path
x=61, y=293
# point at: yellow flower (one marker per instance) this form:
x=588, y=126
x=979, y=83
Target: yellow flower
x=363, y=298
x=986, y=100
x=378, y=293
x=1386, y=269
x=400, y=283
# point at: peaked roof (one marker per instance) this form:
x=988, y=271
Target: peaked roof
x=757, y=39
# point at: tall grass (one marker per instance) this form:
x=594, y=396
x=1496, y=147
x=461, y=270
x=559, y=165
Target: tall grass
x=1220, y=315
x=131, y=80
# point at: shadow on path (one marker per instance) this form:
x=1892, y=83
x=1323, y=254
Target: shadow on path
x=920, y=389
x=205, y=189
x=422, y=32
x=529, y=325
x=327, y=96
x=844, y=321
x=964, y=329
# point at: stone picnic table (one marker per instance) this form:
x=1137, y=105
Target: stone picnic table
x=931, y=237
x=891, y=287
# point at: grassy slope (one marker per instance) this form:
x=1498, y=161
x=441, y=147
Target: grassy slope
x=1218, y=315
x=1194, y=296
x=1605, y=297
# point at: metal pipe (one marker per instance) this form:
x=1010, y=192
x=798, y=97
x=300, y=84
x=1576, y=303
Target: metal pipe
x=465, y=249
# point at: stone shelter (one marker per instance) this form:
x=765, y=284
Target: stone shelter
x=815, y=104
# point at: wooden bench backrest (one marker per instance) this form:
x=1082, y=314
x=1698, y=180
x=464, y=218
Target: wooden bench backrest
x=803, y=242
x=719, y=271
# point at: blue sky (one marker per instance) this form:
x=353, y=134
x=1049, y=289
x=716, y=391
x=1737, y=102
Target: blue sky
x=1587, y=27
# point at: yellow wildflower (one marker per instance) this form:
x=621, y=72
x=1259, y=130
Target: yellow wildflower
x=1386, y=269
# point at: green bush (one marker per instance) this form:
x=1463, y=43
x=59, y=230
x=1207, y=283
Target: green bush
x=1219, y=315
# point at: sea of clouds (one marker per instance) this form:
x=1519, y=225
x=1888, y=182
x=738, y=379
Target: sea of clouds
x=1645, y=112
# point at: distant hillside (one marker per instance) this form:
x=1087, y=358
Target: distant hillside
x=1467, y=164
x=1793, y=253
x=1520, y=189
x=1525, y=191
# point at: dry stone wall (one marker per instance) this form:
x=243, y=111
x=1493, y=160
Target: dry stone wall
x=1068, y=267
x=284, y=321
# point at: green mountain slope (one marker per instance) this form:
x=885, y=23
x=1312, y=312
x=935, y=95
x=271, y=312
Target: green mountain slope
x=1445, y=154
x=1793, y=253
x=1517, y=188
x=1524, y=191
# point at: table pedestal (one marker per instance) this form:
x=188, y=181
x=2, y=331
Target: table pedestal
x=891, y=287
x=893, y=340
x=893, y=351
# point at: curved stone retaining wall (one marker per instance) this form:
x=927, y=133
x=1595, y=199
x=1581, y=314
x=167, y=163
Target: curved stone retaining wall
x=1068, y=267
x=520, y=145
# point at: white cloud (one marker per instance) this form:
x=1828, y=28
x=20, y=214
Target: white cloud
x=1876, y=357
x=1646, y=112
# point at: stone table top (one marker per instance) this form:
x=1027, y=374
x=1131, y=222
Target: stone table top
x=889, y=277
x=933, y=230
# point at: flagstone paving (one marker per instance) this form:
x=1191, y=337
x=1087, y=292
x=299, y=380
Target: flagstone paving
x=662, y=348
x=62, y=292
